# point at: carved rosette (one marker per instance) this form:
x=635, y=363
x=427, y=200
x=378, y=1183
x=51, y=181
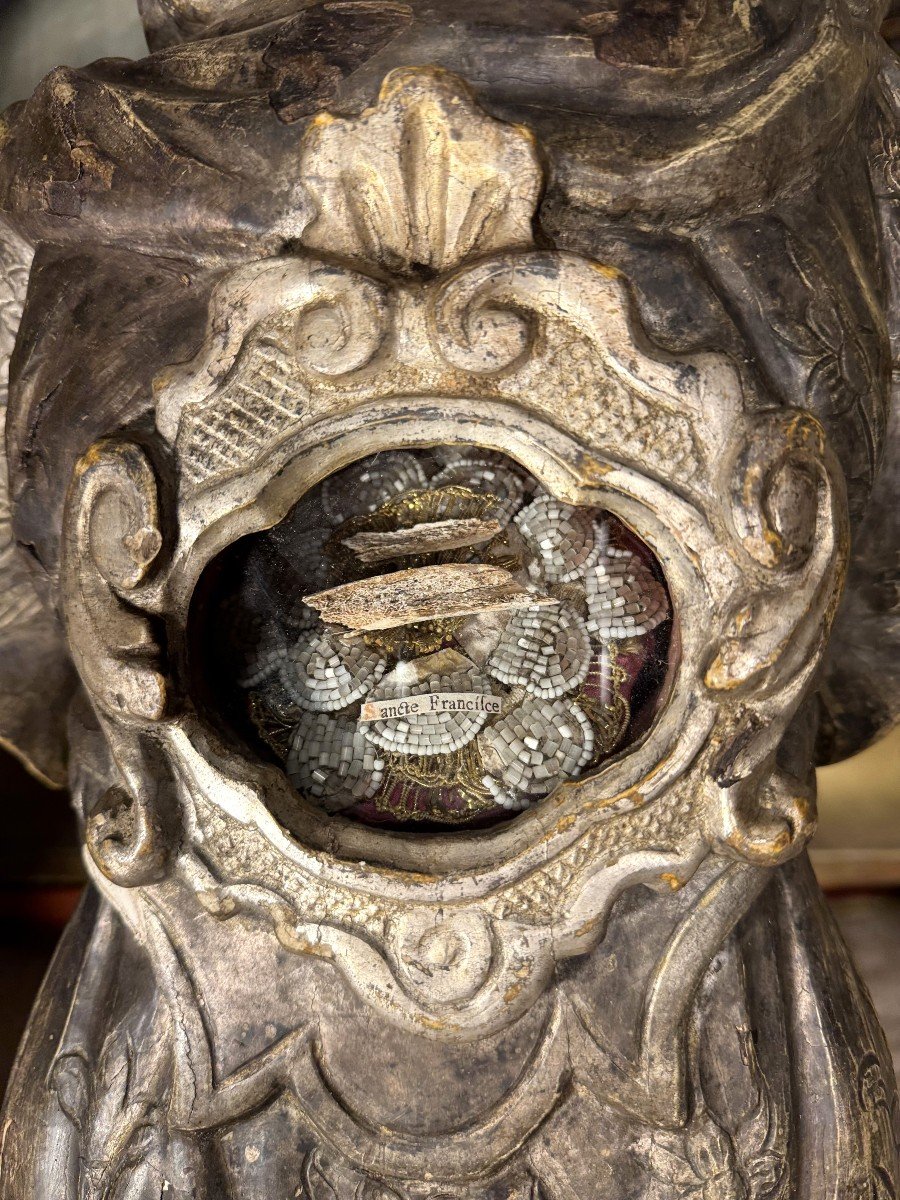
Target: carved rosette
x=420, y=313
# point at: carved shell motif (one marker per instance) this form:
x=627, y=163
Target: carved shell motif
x=422, y=181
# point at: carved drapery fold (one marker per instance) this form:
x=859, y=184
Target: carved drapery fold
x=598, y=964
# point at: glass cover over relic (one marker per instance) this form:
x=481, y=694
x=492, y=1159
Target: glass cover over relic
x=430, y=639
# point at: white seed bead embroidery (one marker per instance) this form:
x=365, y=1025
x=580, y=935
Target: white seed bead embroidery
x=564, y=538
x=331, y=761
x=533, y=748
x=260, y=642
x=366, y=485
x=546, y=651
x=623, y=597
x=323, y=673
x=300, y=541
x=311, y=680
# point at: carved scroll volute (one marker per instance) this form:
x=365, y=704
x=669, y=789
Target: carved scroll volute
x=340, y=317
x=127, y=838
x=112, y=539
x=788, y=516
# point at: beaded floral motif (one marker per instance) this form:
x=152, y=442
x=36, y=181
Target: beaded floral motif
x=546, y=651
x=445, y=718
x=623, y=598
x=485, y=473
x=564, y=539
x=323, y=672
x=533, y=748
x=330, y=760
x=366, y=485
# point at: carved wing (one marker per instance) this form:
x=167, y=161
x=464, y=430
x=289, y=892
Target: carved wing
x=36, y=679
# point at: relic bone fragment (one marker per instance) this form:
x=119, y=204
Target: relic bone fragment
x=428, y=537
x=606, y=997
x=423, y=594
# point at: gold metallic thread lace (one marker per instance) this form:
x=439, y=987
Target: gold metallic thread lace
x=407, y=777
x=274, y=729
x=412, y=641
x=609, y=720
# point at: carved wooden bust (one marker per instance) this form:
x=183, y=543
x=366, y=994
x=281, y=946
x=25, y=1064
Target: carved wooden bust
x=447, y=519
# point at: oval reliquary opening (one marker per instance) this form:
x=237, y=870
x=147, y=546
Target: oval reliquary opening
x=430, y=640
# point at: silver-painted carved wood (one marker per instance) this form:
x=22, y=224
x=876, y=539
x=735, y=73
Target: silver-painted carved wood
x=579, y=324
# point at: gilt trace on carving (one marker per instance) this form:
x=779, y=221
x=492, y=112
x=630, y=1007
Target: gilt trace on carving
x=446, y=517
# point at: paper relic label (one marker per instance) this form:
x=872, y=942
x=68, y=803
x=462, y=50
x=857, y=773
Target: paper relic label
x=431, y=702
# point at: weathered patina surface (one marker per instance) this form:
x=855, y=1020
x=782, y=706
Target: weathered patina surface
x=646, y=256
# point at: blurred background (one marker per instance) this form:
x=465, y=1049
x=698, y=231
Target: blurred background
x=856, y=852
